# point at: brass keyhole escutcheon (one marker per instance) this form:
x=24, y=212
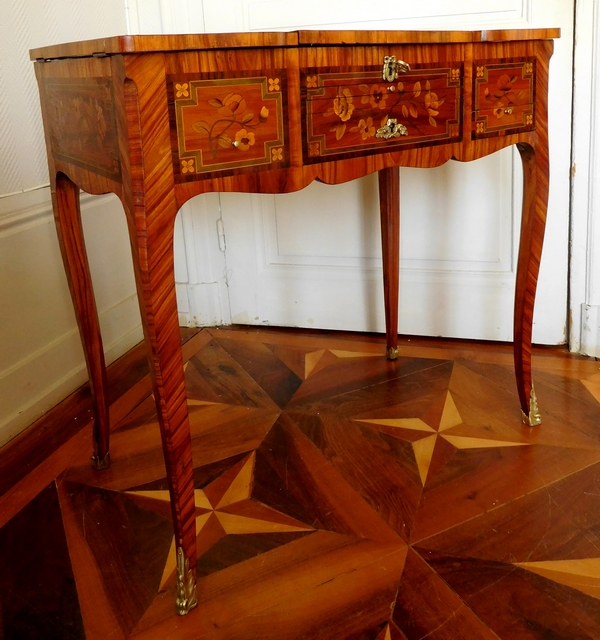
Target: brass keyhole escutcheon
x=392, y=68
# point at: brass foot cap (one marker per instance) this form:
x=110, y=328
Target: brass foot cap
x=534, y=418
x=186, y=605
x=101, y=463
x=392, y=353
x=531, y=420
x=187, y=597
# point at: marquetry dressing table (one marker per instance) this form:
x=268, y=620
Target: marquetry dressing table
x=159, y=119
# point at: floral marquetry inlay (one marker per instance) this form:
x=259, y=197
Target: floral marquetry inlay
x=187, y=166
x=82, y=124
x=182, y=90
x=227, y=123
x=504, y=97
x=346, y=111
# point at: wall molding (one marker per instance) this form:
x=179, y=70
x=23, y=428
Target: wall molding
x=32, y=208
x=34, y=384
x=40, y=374
x=28, y=209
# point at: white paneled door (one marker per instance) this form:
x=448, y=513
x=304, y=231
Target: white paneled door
x=313, y=258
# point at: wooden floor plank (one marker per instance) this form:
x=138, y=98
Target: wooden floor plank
x=263, y=582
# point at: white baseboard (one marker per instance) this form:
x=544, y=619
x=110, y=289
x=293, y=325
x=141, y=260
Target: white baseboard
x=590, y=330
x=199, y=305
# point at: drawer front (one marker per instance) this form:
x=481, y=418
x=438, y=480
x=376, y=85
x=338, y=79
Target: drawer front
x=344, y=112
x=222, y=124
x=503, y=97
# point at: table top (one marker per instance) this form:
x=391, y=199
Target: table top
x=155, y=43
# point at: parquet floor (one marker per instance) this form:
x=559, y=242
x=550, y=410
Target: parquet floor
x=338, y=496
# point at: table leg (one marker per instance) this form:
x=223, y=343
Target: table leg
x=533, y=223
x=152, y=242
x=389, y=206
x=67, y=215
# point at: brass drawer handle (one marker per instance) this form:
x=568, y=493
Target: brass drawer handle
x=508, y=111
x=392, y=67
x=391, y=129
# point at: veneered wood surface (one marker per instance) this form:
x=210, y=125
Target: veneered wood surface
x=65, y=201
x=389, y=208
x=161, y=43
x=153, y=43
x=345, y=110
x=422, y=37
x=151, y=210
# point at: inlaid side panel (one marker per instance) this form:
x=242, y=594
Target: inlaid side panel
x=82, y=123
x=503, y=97
x=357, y=111
x=221, y=124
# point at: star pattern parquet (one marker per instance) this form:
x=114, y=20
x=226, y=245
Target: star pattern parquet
x=338, y=496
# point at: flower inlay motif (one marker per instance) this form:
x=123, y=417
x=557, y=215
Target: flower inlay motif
x=314, y=149
x=187, y=166
x=182, y=90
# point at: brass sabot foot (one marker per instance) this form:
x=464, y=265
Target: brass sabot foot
x=101, y=463
x=392, y=353
x=187, y=598
x=534, y=418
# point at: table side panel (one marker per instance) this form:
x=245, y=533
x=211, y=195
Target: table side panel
x=83, y=121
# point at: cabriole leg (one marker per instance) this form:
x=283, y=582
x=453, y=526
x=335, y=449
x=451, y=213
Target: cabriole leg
x=152, y=243
x=533, y=223
x=67, y=215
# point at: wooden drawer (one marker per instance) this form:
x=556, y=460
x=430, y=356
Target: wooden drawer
x=223, y=123
x=344, y=111
x=503, y=97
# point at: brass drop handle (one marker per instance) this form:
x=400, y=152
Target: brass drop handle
x=392, y=68
x=391, y=129
x=508, y=111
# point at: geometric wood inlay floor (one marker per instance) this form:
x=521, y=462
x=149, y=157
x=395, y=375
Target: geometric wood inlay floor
x=338, y=496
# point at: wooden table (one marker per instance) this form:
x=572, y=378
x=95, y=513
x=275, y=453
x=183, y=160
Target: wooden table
x=160, y=119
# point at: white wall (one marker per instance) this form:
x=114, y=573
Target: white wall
x=41, y=359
